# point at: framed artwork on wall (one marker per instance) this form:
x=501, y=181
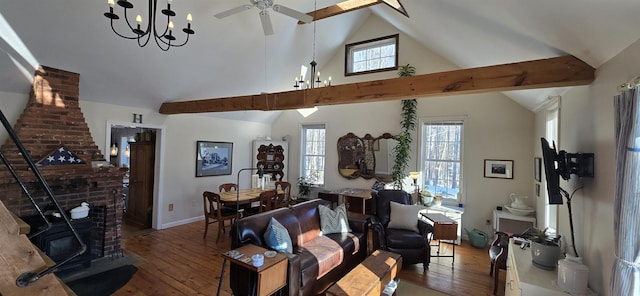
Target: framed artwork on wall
x=498, y=168
x=537, y=165
x=213, y=158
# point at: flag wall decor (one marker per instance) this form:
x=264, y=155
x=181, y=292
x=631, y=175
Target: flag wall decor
x=60, y=156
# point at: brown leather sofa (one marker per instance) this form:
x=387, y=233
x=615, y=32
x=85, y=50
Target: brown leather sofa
x=305, y=276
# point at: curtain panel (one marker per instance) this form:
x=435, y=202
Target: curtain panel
x=625, y=276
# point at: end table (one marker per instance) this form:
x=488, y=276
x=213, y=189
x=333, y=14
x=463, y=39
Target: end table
x=271, y=276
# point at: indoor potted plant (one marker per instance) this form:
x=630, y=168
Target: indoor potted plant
x=437, y=200
x=545, y=248
x=402, y=149
x=427, y=198
x=304, y=186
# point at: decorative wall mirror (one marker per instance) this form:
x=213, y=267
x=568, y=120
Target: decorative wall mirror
x=384, y=156
x=366, y=157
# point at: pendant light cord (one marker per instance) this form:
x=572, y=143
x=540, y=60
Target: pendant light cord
x=315, y=11
x=265, y=63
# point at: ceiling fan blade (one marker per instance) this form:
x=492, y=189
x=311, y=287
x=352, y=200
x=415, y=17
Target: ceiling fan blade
x=266, y=22
x=231, y=11
x=303, y=17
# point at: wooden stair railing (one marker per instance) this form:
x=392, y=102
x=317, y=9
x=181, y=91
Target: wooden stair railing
x=17, y=256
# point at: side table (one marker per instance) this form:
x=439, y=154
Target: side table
x=270, y=277
x=444, y=228
x=357, y=200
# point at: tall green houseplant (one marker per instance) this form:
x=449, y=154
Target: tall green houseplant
x=408, y=125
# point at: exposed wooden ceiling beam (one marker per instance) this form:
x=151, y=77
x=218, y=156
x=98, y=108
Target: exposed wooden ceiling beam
x=552, y=72
x=352, y=5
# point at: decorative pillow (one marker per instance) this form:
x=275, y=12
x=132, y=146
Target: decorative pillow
x=277, y=237
x=378, y=185
x=333, y=221
x=404, y=216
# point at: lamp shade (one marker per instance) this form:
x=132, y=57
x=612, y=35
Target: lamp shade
x=414, y=175
x=114, y=150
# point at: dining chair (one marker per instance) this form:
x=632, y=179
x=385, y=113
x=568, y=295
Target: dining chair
x=226, y=187
x=498, y=253
x=268, y=201
x=284, y=198
x=215, y=211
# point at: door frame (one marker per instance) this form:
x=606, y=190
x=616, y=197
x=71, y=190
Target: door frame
x=158, y=165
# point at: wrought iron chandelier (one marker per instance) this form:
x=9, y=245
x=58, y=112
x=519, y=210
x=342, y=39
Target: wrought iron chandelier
x=315, y=80
x=163, y=40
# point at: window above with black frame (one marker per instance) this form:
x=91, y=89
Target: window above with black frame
x=370, y=56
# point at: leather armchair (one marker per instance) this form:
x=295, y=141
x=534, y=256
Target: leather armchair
x=413, y=246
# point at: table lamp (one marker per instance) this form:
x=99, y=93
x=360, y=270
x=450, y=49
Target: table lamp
x=260, y=170
x=415, y=176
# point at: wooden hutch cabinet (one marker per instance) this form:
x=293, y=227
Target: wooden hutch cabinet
x=140, y=198
x=272, y=155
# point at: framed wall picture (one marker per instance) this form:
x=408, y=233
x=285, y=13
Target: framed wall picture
x=498, y=168
x=537, y=165
x=537, y=189
x=213, y=158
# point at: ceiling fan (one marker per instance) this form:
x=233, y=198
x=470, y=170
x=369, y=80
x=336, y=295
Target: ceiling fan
x=263, y=5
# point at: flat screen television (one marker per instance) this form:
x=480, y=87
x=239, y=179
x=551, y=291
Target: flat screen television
x=553, y=169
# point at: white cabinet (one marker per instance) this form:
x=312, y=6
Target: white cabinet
x=527, y=280
x=510, y=223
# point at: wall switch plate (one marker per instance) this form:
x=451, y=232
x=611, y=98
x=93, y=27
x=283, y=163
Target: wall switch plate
x=170, y=207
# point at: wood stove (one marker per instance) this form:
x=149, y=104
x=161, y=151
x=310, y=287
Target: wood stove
x=59, y=243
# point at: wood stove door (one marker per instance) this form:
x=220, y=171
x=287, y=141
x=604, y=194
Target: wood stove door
x=140, y=203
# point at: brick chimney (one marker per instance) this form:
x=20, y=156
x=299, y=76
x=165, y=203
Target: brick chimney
x=53, y=119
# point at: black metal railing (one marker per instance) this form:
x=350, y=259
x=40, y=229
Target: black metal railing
x=26, y=278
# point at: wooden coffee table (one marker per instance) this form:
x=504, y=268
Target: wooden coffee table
x=369, y=277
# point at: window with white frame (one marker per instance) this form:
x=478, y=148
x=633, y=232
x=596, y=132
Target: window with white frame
x=375, y=55
x=313, y=153
x=441, y=159
x=551, y=134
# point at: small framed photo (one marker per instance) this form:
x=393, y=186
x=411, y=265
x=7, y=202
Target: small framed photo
x=537, y=189
x=537, y=166
x=213, y=158
x=498, y=168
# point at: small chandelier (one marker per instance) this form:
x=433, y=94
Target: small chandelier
x=315, y=80
x=164, y=39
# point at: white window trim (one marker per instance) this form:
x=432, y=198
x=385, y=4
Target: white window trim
x=302, y=126
x=463, y=183
x=551, y=210
x=371, y=43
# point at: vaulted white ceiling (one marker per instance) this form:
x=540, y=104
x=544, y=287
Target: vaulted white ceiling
x=232, y=57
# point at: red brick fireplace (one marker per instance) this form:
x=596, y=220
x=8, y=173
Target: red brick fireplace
x=53, y=119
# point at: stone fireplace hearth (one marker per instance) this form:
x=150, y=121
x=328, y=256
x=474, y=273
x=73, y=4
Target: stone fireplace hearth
x=52, y=119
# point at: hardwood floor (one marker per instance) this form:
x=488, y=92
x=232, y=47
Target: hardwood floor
x=177, y=261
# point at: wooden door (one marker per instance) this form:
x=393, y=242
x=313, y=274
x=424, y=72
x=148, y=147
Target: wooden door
x=140, y=199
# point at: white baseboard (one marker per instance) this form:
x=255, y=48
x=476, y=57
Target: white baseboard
x=182, y=222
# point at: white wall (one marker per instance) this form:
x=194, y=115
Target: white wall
x=587, y=126
x=495, y=128
x=11, y=105
x=178, y=184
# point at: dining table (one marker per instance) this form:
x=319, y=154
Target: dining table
x=242, y=196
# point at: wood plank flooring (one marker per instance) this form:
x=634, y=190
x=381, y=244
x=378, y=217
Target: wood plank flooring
x=177, y=261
